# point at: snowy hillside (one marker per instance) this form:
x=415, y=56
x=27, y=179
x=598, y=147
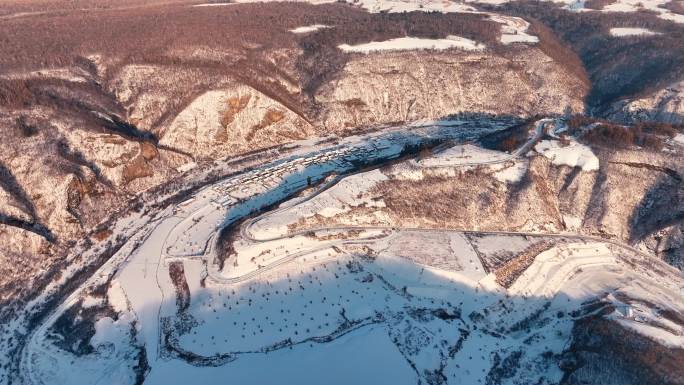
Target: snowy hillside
x=342, y=192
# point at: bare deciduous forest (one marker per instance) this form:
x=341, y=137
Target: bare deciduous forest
x=617, y=66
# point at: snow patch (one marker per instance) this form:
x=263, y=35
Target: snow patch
x=411, y=43
x=573, y=155
x=330, y=212
x=108, y=331
x=619, y=32
x=572, y=222
x=260, y=1
x=639, y=5
x=186, y=167
x=117, y=297
x=518, y=38
x=679, y=138
x=398, y=6
x=66, y=74
x=212, y=4
x=661, y=335
x=309, y=28
x=90, y=301
x=512, y=174
x=617, y=6
x=514, y=29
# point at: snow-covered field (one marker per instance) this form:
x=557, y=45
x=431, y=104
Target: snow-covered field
x=619, y=32
x=400, y=306
x=411, y=43
x=514, y=29
x=309, y=28
x=151, y=235
x=398, y=6
x=572, y=154
x=649, y=5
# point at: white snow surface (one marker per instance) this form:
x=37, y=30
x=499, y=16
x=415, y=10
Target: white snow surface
x=260, y=1
x=117, y=297
x=66, y=74
x=412, y=43
x=364, y=356
x=573, y=154
x=398, y=6
x=679, y=138
x=213, y=4
x=90, y=301
x=390, y=6
x=650, y=5
x=619, y=32
x=309, y=28
x=512, y=173
x=464, y=155
x=572, y=222
x=108, y=331
x=513, y=29
x=617, y=6
x=509, y=38
x=334, y=305
x=186, y=167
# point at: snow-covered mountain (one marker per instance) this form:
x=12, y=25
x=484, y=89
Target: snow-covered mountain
x=431, y=192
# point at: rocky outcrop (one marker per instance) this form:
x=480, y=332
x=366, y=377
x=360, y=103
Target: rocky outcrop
x=403, y=86
x=634, y=197
x=152, y=95
x=233, y=120
x=665, y=105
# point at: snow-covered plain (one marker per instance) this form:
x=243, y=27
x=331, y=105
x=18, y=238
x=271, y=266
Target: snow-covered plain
x=341, y=305
x=152, y=231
